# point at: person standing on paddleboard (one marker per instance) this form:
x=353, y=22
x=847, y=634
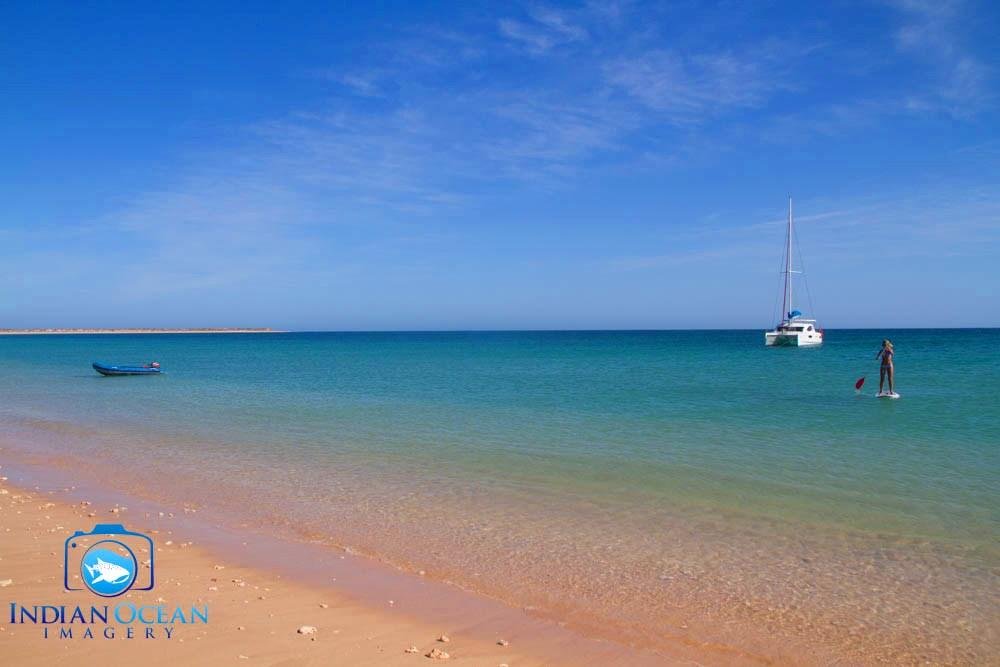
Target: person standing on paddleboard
x=886, y=370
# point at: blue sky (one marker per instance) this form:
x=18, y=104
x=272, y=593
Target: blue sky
x=399, y=165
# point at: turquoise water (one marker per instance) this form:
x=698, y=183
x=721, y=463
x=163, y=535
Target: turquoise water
x=690, y=451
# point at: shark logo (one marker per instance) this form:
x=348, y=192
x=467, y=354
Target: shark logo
x=107, y=572
x=105, y=561
x=108, y=568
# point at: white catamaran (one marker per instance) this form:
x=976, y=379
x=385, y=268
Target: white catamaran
x=794, y=330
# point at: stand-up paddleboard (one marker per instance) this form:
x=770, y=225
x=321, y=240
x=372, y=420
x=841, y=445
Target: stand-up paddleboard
x=887, y=394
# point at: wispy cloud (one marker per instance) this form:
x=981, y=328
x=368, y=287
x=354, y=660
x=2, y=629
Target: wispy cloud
x=365, y=84
x=559, y=23
x=544, y=29
x=932, y=32
x=550, y=136
x=939, y=221
x=690, y=87
x=431, y=120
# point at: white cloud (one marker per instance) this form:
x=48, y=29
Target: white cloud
x=940, y=221
x=690, y=87
x=932, y=33
x=434, y=145
x=546, y=29
x=559, y=24
x=362, y=84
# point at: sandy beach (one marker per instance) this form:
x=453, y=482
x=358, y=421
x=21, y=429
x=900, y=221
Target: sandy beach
x=257, y=615
x=254, y=616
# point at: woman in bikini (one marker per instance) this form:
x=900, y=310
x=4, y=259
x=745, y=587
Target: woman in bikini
x=886, y=354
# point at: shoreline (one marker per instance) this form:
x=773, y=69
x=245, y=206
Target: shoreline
x=398, y=609
x=576, y=481
x=145, y=331
x=447, y=599
x=254, y=616
x=367, y=576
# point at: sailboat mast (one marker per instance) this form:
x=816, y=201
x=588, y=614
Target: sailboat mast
x=788, y=264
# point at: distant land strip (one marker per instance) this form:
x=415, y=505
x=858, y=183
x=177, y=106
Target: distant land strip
x=200, y=330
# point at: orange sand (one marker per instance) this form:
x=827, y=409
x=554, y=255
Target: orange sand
x=254, y=614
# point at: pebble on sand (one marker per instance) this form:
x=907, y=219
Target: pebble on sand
x=323, y=605
x=503, y=642
x=307, y=630
x=438, y=654
x=4, y=583
x=412, y=649
x=444, y=638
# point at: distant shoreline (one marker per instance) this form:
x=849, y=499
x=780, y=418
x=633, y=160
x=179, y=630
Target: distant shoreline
x=204, y=330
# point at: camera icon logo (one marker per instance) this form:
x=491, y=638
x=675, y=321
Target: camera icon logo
x=105, y=561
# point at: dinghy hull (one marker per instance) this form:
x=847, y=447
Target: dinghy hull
x=109, y=369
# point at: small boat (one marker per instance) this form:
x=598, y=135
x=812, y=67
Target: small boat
x=793, y=330
x=144, y=369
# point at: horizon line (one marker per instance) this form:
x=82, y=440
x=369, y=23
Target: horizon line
x=50, y=331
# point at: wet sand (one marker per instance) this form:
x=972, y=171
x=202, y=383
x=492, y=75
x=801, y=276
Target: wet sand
x=254, y=616
x=375, y=611
x=256, y=612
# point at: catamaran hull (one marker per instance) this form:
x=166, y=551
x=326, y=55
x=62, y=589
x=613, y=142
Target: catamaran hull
x=772, y=339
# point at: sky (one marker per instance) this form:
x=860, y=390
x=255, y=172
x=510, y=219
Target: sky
x=481, y=165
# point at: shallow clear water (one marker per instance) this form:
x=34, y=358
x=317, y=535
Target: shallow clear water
x=693, y=482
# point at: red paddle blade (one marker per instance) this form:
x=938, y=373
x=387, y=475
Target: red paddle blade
x=861, y=381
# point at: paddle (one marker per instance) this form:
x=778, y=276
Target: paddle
x=861, y=381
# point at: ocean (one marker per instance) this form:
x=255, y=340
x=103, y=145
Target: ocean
x=691, y=484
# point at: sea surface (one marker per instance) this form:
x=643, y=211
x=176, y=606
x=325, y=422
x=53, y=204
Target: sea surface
x=652, y=487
